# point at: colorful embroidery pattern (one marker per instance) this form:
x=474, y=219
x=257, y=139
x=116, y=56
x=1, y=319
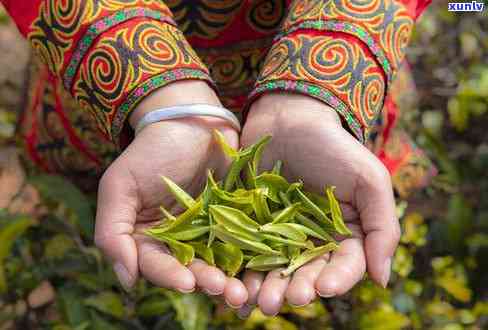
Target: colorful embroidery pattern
x=123, y=60
x=333, y=64
x=101, y=26
x=386, y=21
x=266, y=15
x=204, y=18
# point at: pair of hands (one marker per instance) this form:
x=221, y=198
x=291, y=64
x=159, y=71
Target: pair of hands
x=314, y=147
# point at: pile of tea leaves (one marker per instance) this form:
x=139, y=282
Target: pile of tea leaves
x=251, y=220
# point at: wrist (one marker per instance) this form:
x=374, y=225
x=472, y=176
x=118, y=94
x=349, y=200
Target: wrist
x=176, y=93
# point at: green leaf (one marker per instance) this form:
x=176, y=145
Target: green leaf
x=243, y=243
x=313, y=209
x=277, y=167
x=168, y=216
x=266, y=263
x=278, y=239
x=308, y=231
x=261, y=207
x=9, y=232
x=308, y=256
x=287, y=214
x=181, y=220
x=192, y=310
x=107, y=302
x=228, y=150
x=59, y=190
x=204, y=252
x=155, y=305
x=70, y=304
x=228, y=257
x=286, y=230
x=182, y=251
x=211, y=235
x=179, y=194
x=233, y=219
x=188, y=233
x=258, y=149
x=336, y=213
x=272, y=184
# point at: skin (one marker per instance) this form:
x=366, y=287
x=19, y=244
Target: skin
x=310, y=140
x=130, y=194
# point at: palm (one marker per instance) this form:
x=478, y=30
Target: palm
x=309, y=139
x=131, y=193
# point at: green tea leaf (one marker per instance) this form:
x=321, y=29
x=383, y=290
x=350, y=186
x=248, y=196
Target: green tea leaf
x=237, y=197
x=167, y=214
x=179, y=194
x=336, y=213
x=233, y=219
x=287, y=214
x=189, y=233
x=308, y=231
x=183, y=252
x=272, y=184
x=184, y=218
x=261, y=207
x=211, y=235
x=204, y=252
x=228, y=257
x=314, y=227
x=192, y=311
x=286, y=230
x=308, y=256
x=285, y=241
x=321, y=201
x=277, y=167
x=241, y=242
x=258, y=149
x=228, y=150
x=266, y=263
x=313, y=209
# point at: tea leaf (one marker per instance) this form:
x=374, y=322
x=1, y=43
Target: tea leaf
x=189, y=233
x=272, y=184
x=287, y=214
x=258, y=149
x=233, y=219
x=166, y=214
x=234, y=171
x=186, y=217
x=313, y=209
x=277, y=167
x=285, y=241
x=243, y=243
x=308, y=256
x=237, y=197
x=228, y=150
x=286, y=230
x=314, y=227
x=308, y=231
x=183, y=252
x=203, y=251
x=211, y=235
x=228, y=257
x=261, y=208
x=321, y=201
x=265, y=263
x=336, y=213
x=179, y=194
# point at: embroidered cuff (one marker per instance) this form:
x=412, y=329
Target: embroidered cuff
x=343, y=53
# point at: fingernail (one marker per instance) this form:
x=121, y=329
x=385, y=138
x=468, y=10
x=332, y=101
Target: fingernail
x=186, y=290
x=212, y=293
x=123, y=276
x=232, y=306
x=386, y=273
x=297, y=306
x=326, y=295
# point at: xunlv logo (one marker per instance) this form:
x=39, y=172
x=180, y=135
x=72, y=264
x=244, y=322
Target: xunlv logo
x=466, y=6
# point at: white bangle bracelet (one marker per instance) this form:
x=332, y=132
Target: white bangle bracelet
x=187, y=110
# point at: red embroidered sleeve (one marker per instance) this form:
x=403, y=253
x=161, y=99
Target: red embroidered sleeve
x=108, y=54
x=344, y=53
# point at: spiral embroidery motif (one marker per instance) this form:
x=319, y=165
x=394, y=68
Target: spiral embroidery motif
x=266, y=15
x=332, y=63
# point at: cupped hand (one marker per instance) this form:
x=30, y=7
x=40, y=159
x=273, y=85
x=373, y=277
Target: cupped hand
x=314, y=147
x=131, y=192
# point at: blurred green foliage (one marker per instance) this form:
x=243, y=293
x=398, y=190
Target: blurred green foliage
x=439, y=271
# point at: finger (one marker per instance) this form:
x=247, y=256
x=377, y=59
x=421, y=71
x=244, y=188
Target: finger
x=346, y=267
x=272, y=293
x=115, y=218
x=301, y=290
x=210, y=280
x=252, y=281
x=235, y=293
x=376, y=206
x=162, y=269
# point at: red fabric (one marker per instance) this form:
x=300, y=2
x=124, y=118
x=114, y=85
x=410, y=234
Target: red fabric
x=23, y=12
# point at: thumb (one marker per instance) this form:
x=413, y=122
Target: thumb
x=115, y=219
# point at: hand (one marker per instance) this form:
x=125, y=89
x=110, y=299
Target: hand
x=309, y=139
x=131, y=192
